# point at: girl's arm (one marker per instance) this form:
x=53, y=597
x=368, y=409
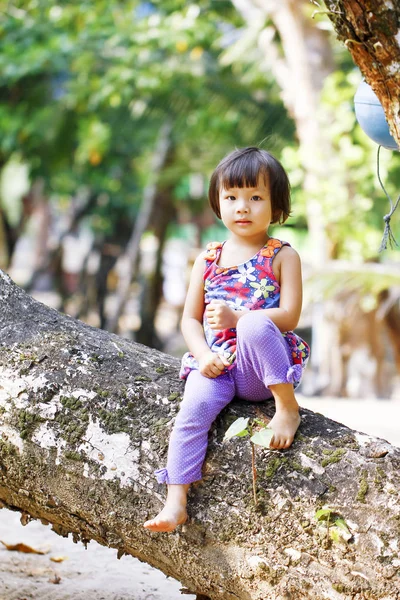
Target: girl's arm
x=287, y=271
x=192, y=318
x=210, y=364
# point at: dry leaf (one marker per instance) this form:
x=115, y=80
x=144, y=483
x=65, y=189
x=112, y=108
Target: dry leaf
x=39, y=572
x=56, y=579
x=22, y=548
x=25, y=518
x=58, y=559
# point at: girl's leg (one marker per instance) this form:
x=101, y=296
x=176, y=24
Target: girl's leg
x=263, y=356
x=203, y=400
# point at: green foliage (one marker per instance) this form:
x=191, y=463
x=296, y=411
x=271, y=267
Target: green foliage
x=86, y=87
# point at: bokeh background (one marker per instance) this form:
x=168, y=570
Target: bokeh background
x=113, y=114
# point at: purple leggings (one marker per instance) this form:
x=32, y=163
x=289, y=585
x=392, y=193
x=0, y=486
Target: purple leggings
x=263, y=358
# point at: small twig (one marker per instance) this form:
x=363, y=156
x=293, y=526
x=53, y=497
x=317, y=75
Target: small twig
x=349, y=41
x=327, y=526
x=254, y=472
x=325, y=12
x=387, y=234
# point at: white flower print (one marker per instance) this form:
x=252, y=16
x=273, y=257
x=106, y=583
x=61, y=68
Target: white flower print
x=235, y=303
x=245, y=273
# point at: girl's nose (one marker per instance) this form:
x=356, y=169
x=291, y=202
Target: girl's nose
x=242, y=206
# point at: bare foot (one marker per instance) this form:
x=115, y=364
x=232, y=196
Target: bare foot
x=284, y=425
x=167, y=519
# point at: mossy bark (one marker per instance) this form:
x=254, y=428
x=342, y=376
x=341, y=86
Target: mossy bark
x=85, y=418
x=371, y=32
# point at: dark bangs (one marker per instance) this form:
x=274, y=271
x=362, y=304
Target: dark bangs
x=242, y=168
x=243, y=172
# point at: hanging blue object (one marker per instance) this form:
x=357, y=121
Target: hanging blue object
x=371, y=117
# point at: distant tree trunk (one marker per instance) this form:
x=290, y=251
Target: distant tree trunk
x=10, y=233
x=85, y=418
x=390, y=315
x=48, y=260
x=142, y=222
x=4, y=258
x=152, y=283
x=300, y=68
x=370, y=31
x=300, y=60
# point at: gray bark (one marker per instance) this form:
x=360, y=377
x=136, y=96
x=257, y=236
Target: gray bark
x=85, y=418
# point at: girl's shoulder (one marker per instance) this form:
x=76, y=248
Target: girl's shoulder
x=212, y=250
x=282, y=258
x=273, y=246
x=277, y=252
x=284, y=254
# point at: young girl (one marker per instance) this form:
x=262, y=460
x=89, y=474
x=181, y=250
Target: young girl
x=243, y=301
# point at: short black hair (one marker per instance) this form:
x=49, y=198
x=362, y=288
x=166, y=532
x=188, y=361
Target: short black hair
x=242, y=168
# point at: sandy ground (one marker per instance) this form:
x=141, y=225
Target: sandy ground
x=96, y=574
x=92, y=574
x=379, y=418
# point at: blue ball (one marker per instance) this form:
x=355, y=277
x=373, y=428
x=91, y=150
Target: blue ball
x=371, y=117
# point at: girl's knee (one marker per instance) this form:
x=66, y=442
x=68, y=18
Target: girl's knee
x=205, y=398
x=255, y=324
x=197, y=416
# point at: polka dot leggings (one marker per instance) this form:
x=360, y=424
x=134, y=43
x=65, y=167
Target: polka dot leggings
x=263, y=358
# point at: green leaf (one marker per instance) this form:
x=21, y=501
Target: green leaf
x=262, y=437
x=341, y=523
x=237, y=429
x=243, y=433
x=323, y=514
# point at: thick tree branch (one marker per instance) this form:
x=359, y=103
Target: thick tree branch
x=371, y=32
x=84, y=420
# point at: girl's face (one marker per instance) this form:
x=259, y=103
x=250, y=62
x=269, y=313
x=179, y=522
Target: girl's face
x=247, y=212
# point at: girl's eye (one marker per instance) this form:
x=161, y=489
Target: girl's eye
x=230, y=197
x=256, y=198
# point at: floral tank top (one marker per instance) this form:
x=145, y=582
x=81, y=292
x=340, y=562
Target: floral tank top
x=251, y=285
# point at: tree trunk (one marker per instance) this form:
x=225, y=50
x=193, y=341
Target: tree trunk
x=85, y=419
x=142, y=221
x=152, y=283
x=370, y=31
x=300, y=63
x=48, y=259
x=4, y=258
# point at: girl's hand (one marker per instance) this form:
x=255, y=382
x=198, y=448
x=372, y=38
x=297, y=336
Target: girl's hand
x=212, y=364
x=220, y=316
